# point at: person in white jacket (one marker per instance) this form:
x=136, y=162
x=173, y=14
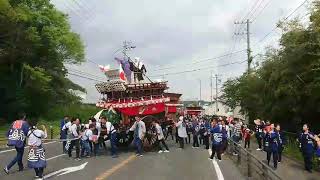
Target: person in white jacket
x=182, y=131
x=139, y=129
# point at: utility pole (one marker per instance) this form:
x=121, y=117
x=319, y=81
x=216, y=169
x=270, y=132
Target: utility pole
x=247, y=22
x=200, y=91
x=216, y=76
x=211, y=97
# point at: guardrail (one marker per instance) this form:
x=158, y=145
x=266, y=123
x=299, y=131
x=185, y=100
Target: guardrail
x=249, y=165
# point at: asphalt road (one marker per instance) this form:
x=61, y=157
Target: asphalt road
x=177, y=164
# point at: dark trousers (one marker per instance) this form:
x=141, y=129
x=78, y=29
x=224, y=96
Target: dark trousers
x=215, y=149
x=247, y=143
x=280, y=154
x=259, y=140
x=171, y=134
x=163, y=143
x=224, y=145
x=274, y=157
x=307, y=161
x=64, y=143
x=181, y=142
x=75, y=143
x=85, y=148
x=201, y=139
x=138, y=144
x=177, y=137
x=188, y=140
x=206, y=141
x=17, y=159
x=195, y=141
x=95, y=148
x=39, y=172
x=113, y=142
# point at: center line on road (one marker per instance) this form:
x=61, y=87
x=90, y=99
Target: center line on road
x=216, y=167
x=115, y=168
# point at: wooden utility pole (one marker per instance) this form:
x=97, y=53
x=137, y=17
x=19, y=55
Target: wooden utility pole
x=247, y=22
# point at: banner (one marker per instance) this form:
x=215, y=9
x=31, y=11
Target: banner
x=143, y=110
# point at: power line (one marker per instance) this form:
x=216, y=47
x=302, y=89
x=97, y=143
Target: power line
x=286, y=18
x=203, y=60
x=85, y=73
x=81, y=76
x=263, y=8
x=193, y=70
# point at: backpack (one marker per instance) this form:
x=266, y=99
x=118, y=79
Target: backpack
x=16, y=136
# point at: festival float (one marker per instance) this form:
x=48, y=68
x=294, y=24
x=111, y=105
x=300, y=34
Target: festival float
x=128, y=92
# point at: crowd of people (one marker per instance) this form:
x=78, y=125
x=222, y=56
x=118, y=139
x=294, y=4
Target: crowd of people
x=88, y=139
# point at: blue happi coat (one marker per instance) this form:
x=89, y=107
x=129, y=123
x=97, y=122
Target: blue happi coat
x=272, y=139
x=17, y=133
x=217, y=135
x=307, y=145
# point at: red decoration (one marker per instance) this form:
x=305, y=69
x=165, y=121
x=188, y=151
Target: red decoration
x=143, y=110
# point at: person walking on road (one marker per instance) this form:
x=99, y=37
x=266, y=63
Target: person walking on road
x=281, y=142
x=112, y=133
x=206, y=135
x=63, y=132
x=17, y=138
x=216, y=137
x=160, y=137
x=139, y=129
x=86, y=138
x=273, y=146
x=259, y=133
x=306, y=140
x=36, y=156
x=195, y=133
x=75, y=133
x=182, y=131
x=236, y=136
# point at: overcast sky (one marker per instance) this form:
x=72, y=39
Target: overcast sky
x=173, y=36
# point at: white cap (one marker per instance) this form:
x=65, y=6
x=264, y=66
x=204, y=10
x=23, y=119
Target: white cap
x=181, y=118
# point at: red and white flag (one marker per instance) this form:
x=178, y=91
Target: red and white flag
x=121, y=73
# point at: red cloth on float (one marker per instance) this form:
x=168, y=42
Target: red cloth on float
x=143, y=110
x=172, y=109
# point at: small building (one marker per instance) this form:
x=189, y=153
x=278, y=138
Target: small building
x=197, y=110
x=221, y=109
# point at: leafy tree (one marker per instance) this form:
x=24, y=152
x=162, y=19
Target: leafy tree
x=286, y=87
x=35, y=43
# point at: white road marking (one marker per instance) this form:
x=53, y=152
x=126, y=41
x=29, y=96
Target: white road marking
x=66, y=170
x=10, y=150
x=54, y=157
x=216, y=167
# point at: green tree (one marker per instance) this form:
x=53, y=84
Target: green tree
x=35, y=43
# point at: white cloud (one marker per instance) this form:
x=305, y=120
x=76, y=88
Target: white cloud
x=171, y=32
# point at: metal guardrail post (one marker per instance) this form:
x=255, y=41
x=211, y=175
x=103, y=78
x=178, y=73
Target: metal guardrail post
x=51, y=132
x=238, y=151
x=249, y=163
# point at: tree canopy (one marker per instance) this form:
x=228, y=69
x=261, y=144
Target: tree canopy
x=35, y=42
x=285, y=88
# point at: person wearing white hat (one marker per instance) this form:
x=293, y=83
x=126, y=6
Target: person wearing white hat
x=182, y=131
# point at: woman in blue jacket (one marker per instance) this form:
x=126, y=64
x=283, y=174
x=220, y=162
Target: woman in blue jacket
x=306, y=140
x=273, y=146
x=216, y=138
x=281, y=141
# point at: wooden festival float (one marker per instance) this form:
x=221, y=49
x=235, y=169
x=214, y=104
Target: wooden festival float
x=123, y=98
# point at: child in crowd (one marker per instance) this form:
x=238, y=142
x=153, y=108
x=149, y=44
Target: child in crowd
x=246, y=133
x=86, y=138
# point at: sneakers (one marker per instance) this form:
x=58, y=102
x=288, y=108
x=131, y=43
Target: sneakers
x=140, y=155
x=160, y=151
x=166, y=151
x=259, y=149
x=193, y=147
x=6, y=170
x=220, y=160
x=235, y=154
x=77, y=159
x=210, y=158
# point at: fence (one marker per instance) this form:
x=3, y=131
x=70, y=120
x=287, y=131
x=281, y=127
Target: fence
x=249, y=165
